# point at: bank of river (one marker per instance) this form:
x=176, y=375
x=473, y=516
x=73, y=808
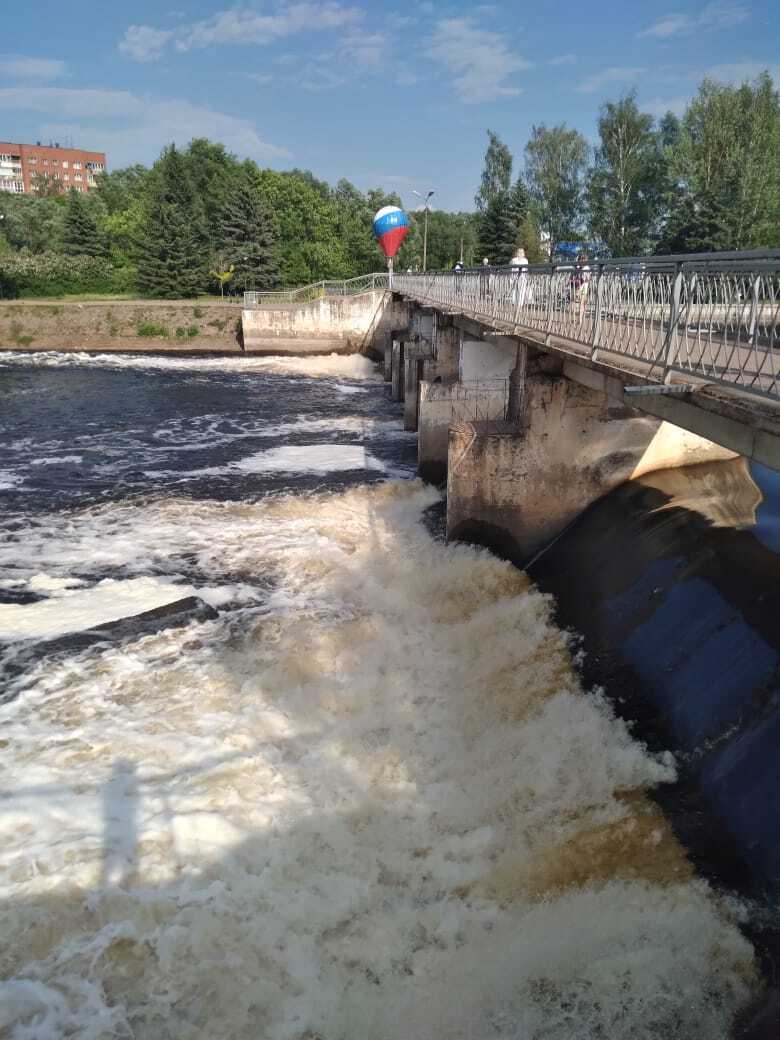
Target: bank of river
x=370, y=798
x=135, y=326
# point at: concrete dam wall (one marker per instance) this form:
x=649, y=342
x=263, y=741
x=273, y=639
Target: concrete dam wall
x=331, y=324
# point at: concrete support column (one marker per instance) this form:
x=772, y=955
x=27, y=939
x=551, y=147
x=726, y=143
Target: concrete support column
x=422, y=324
x=445, y=363
x=415, y=359
x=514, y=489
x=395, y=334
x=397, y=370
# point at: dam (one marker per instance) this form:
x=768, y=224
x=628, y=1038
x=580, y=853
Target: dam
x=386, y=784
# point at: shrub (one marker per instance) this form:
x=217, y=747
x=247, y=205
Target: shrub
x=189, y=333
x=55, y=274
x=18, y=335
x=198, y=312
x=148, y=328
x=218, y=323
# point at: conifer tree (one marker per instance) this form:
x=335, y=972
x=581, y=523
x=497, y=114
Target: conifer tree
x=249, y=239
x=170, y=249
x=499, y=229
x=81, y=235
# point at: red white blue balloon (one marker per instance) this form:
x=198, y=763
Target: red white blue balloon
x=391, y=226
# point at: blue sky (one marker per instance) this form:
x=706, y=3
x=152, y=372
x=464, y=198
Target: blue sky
x=392, y=94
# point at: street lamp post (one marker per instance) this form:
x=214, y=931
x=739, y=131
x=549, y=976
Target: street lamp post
x=427, y=199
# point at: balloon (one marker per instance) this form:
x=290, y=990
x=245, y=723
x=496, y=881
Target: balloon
x=391, y=226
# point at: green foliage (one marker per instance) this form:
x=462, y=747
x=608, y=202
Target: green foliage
x=170, y=248
x=498, y=230
x=81, y=235
x=150, y=329
x=198, y=312
x=530, y=240
x=187, y=332
x=53, y=274
x=724, y=182
x=32, y=224
x=249, y=240
x=624, y=188
x=555, y=162
x=701, y=182
x=496, y=173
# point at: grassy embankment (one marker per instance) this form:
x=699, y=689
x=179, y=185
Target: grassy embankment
x=120, y=323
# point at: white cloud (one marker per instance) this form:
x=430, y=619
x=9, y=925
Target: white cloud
x=608, y=76
x=131, y=128
x=480, y=60
x=40, y=70
x=563, y=59
x=144, y=43
x=240, y=26
x=365, y=49
x=720, y=14
x=741, y=71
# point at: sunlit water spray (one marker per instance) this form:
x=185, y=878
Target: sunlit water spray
x=369, y=800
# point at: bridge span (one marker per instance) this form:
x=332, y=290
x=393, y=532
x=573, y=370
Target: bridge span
x=536, y=391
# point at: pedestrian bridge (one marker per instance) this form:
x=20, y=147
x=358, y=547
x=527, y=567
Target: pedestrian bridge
x=535, y=391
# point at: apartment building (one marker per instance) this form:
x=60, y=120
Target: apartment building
x=22, y=165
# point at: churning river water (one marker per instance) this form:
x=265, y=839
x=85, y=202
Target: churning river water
x=365, y=798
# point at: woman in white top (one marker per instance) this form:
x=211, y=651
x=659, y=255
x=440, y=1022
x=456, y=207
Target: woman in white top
x=519, y=263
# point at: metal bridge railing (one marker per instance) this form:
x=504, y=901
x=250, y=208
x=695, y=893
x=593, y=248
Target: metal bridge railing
x=317, y=290
x=713, y=317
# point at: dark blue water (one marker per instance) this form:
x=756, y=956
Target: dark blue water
x=99, y=459
x=74, y=433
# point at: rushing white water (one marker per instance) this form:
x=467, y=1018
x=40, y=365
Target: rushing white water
x=372, y=803
x=347, y=366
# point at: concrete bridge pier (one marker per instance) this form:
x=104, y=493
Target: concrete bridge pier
x=398, y=334
x=514, y=486
x=397, y=369
x=468, y=379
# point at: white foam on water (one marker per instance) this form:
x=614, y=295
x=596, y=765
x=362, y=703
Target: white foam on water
x=10, y=479
x=381, y=806
x=75, y=610
x=311, y=458
x=318, y=366
x=56, y=460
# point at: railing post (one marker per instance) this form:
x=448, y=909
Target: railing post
x=597, y=316
x=674, y=317
x=548, y=330
x=753, y=327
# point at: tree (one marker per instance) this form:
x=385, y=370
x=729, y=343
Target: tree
x=222, y=273
x=623, y=190
x=496, y=172
x=725, y=191
x=498, y=230
x=82, y=236
x=45, y=186
x=555, y=161
x=530, y=240
x=170, y=248
x=249, y=239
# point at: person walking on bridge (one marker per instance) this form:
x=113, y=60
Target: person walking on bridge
x=484, y=280
x=519, y=265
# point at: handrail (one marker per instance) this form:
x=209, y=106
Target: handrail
x=317, y=290
x=712, y=318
